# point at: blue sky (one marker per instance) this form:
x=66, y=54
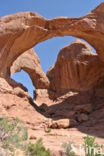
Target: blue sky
x=48, y=50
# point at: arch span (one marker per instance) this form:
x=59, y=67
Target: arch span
x=25, y=81
x=30, y=63
x=31, y=29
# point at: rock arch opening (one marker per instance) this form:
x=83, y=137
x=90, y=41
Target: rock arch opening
x=84, y=70
x=34, y=29
x=23, y=78
x=30, y=63
x=49, y=50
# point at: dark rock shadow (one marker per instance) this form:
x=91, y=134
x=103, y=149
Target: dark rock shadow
x=89, y=103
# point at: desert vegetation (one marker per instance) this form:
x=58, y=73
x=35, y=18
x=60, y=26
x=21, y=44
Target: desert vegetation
x=14, y=140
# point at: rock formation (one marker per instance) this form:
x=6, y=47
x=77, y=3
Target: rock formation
x=77, y=68
x=22, y=31
x=71, y=94
x=30, y=63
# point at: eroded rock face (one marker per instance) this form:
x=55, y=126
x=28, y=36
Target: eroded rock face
x=22, y=31
x=76, y=68
x=18, y=33
x=30, y=63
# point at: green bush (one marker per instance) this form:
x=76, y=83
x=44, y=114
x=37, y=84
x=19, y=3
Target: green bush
x=91, y=148
x=14, y=136
x=49, y=130
x=37, y=149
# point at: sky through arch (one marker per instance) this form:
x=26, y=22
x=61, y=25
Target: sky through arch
x=48, y=50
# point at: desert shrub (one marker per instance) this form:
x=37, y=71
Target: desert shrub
x=92, y=148
x=68, y=150
x=37, y=149
x=49, y=130
x=14, y=136
x=89, y=143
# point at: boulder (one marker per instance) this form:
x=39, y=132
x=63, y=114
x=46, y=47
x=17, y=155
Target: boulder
x=62, y=123
x=82, y=117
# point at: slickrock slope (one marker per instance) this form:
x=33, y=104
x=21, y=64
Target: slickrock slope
x=30, y=63
x=71, y=94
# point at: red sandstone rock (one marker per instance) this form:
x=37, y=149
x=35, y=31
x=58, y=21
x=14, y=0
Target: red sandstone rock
x=30, y=63
x=82, y=117
x=30, y=29
x=62, y=123
x=80, y=70
x=76, y=68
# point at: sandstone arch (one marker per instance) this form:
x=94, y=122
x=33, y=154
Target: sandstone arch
x=30, y=63
x=19, y=33
x=30, y=29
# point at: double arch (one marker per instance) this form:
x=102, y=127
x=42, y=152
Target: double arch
x=32, y=29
